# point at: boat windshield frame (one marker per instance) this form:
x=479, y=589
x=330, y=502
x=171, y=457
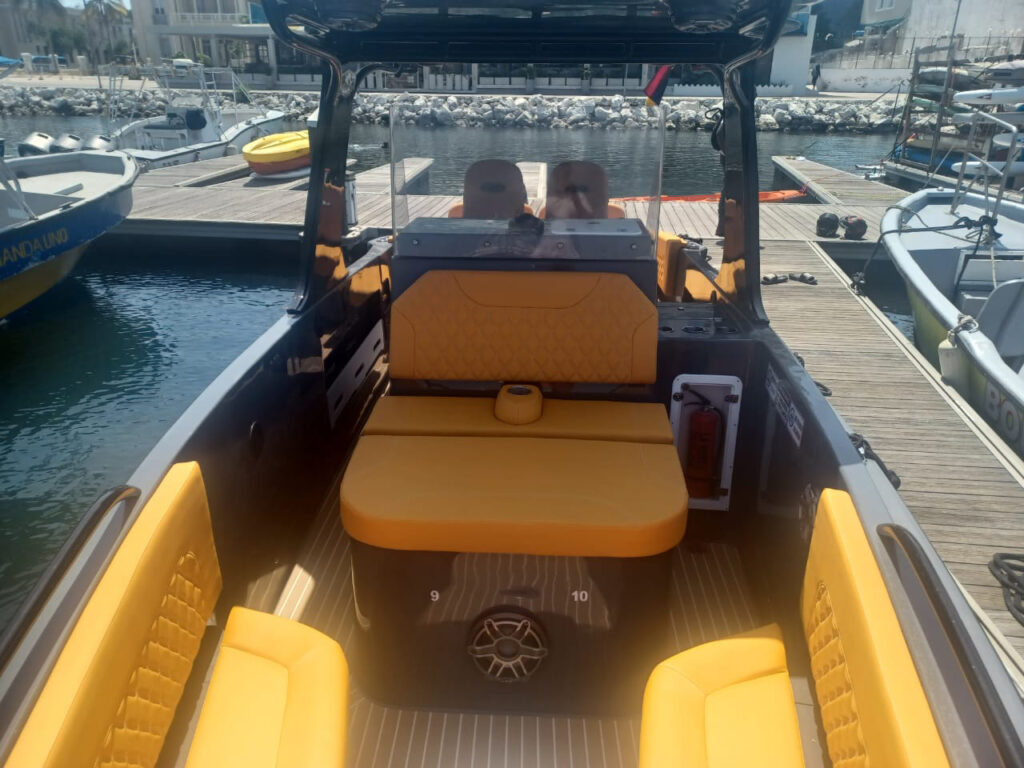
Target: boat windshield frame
x=344, y=33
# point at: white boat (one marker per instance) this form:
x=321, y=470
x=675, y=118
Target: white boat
x=1007, y=72
x=193, y=128
x=1012, y=118
x=1004, y=140
x=990, y=96
x=967, y=296
x=188, y=133
x=989, y=167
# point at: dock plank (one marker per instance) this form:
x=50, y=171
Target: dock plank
x=959, y=491
x=832, y=186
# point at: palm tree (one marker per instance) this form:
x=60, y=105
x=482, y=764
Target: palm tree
x=102, y=13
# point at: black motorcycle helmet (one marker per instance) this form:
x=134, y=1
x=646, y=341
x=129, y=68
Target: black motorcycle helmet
x=854, y=227
x=828, y=225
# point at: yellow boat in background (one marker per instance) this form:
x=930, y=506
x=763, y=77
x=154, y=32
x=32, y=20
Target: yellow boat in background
x=278, y=153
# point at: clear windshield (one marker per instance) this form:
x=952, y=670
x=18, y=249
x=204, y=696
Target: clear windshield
x=440, y=170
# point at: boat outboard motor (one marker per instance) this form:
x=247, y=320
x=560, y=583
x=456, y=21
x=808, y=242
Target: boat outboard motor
x=66, y=142
x=36, y=143
x=828, y=225
x=195, y=120
x=99, y=142
x=854, y=227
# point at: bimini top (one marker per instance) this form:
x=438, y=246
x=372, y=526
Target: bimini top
x=721, y=32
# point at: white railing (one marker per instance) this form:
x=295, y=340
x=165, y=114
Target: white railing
x=212, y=18
x=986, y=169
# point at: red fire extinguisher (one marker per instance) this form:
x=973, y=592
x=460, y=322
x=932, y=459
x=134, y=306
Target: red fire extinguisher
x=702, y=447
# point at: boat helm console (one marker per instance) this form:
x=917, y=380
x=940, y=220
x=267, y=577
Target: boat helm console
x=595, y=245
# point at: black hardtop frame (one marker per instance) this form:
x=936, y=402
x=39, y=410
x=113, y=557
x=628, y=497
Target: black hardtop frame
x=727, y=36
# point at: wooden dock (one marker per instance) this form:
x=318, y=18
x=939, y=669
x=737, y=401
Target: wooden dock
x=834, y=187
x=220, y=198
x=964, y=486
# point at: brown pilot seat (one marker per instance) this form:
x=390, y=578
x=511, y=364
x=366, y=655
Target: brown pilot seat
x=511, y=549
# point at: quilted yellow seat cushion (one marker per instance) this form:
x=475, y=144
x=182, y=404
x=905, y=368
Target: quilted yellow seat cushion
x=113, y=691
x=723, y=704
x=474, y=417
x=526, y=495
x=524, y=326
x=277, y=698
x=873, y=707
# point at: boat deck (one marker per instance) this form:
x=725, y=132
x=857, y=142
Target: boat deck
x=963, y=484
x=710, y=598
x=834, y=187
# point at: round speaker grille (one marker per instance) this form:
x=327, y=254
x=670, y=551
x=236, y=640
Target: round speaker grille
x=507, y=646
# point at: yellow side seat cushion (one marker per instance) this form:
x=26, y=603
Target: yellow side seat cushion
x=277, y=698
x=873, y=707
x=670, y=267
x=474, y=417
x=538, y=496
x=524, y=326
x=722, y=704
x=112, y=693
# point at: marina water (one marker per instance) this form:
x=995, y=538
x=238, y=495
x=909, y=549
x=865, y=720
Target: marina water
x=94, y=372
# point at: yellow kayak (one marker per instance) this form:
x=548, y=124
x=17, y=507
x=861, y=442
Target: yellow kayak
x=278, y=152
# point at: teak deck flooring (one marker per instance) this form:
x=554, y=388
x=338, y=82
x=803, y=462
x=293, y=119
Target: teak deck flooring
x=710, y=599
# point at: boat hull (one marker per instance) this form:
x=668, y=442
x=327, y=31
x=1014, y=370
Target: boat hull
x=235, y=138
x=282, y=166
x=30, y=284
x=993, y=390
x=1002, y=408
x=36, y=255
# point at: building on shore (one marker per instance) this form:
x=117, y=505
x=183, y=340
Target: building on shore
x=15, y=37
x=234, y=33
x=895, y=31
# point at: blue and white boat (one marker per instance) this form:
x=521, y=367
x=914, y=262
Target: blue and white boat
x=52, y=207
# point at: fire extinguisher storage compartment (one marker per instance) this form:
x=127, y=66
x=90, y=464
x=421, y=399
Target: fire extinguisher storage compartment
x=705, y=416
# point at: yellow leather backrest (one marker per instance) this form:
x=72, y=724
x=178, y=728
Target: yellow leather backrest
x=670, y=266
x=113, y=690
x=873, y=707
x=525, y=327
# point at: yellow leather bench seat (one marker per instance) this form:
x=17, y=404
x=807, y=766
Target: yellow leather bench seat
x=474, y=417
x=277, y=697
x=527, y=495
x=112, y=693
x=873, y=707
x=722, y=704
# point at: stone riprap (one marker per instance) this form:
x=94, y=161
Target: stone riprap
x=428, y=111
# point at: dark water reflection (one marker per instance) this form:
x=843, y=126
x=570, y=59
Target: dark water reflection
x=95, y=371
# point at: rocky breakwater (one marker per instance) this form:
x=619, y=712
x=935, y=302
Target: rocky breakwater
x=571, y=112
x=617, y=113
x=68, y=102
